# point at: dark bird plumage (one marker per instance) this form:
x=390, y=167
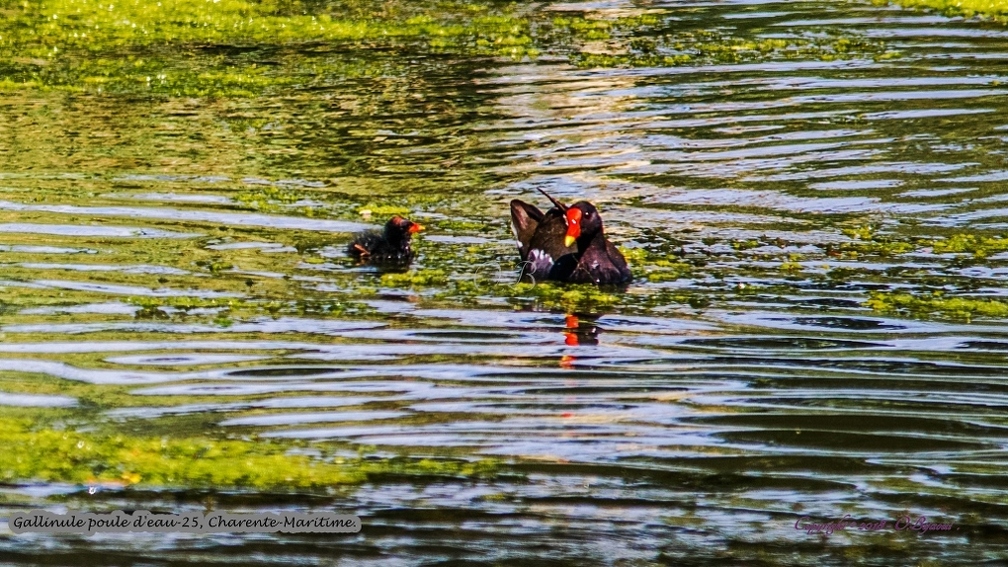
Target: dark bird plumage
x=540, y=237
x=566, y=244
x=388, y=246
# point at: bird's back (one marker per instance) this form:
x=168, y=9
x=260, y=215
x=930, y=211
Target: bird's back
x=373, y=246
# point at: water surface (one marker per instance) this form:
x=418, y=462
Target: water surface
x=189, y=252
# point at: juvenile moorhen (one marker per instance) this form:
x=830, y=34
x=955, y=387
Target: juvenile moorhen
x=389, y=246
x=566, y=244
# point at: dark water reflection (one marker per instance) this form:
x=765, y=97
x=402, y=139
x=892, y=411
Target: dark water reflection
x=688, y=433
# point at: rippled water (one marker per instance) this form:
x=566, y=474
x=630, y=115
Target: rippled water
x=696, y=430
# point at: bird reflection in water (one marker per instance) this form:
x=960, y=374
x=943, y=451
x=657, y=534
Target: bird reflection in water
x=578, y=331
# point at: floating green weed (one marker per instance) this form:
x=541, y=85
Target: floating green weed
x=381, y=211
x=707, y=46
x=52, y=26
x=43, y=453
x=936, y=304
x=225, y=310
x=415, y=279
x=868, y=241
x=579, y=298
x=663, y=270
x=791, y=267
x=198, y=48
x=270, y=198
x=978, y=246
x=192, y=48
x=997, y=9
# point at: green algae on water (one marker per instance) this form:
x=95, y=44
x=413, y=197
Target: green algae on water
x=52, y=455
x=707, y=47
x=241, y=308
x=995, y=9
x=239, y=48
x=978, y=246
x=937, y=305
x=195, y=48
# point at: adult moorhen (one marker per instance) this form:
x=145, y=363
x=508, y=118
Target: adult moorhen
x=540, y=236
x=389, y=246
x=566, y=244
